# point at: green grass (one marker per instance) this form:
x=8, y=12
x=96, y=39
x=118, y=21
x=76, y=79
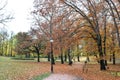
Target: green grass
x=2, y=59
x=41, y=77
x=115, y=73
x=11, y=69
x=22, y=58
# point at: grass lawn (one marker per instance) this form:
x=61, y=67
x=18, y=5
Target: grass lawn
x=41, y=77
x=20, y=69
x=31, y=70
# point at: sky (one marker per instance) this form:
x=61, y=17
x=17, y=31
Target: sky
x=21, y=12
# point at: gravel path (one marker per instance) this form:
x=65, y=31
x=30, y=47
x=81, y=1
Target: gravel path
x=62, y=77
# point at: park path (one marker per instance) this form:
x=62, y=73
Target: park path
x=62, y=77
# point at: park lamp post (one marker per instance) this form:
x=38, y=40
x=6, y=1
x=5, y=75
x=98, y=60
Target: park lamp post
x=51, y=54
x=80, y=46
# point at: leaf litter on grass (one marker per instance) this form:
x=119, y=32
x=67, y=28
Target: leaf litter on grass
x=25, y=70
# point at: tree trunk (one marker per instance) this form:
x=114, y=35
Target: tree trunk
x=11, y=45
x=61, y=56
x=104, y=40
x=38, y=54
x=102, y=61
x=11, y=49
x=6, y=49
x=62, y=61
x=110, y=58
x=1, y=50
x=65, y=58
x=114, y=58
x=78, y=57
x=69, y=57
x=38, y=57
x=114, y=19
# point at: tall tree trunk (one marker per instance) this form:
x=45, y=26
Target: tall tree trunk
x=69, y=57
x=38, y=54
x=11, y=48
x=78, y=54
x=61, y=56
x=62, y=61
x=11, y=44
x=78, y=57
x=114, y=58
x=102, y=61
x=104, y=40
x=65, y=57
x=11, y=51
x=113, y=54
x=6, y=48
x=110, y=58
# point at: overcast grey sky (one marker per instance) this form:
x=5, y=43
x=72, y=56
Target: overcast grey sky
x=21, y=10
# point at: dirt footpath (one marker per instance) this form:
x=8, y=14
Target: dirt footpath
x=62, y=77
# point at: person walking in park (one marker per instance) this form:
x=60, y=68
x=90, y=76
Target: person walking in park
x=85, y=69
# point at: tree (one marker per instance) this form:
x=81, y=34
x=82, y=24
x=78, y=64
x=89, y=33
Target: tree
x=44, y=16
x=114, y=8
x=38, y=41
x=11, y=44
x=22, y=45
x=3, y=37
x=4, y=16
x=91, y=11
x=64, y=21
